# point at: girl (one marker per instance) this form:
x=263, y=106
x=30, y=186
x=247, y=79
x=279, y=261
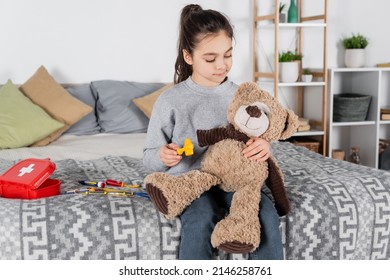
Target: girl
x=199, y=100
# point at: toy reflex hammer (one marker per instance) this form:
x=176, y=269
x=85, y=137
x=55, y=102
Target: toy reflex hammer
x=188, y=148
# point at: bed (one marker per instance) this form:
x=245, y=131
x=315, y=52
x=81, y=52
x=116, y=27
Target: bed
x=340, y=210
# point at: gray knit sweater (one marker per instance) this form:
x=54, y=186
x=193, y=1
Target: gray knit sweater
x=177, y=114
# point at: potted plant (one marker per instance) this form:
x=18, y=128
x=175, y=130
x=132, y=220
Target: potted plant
x=355, y=50
x=289, y=65
x=307, y=76
x=282, y=16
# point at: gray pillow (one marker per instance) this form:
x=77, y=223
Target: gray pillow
x=116, y=113
x=87, y=125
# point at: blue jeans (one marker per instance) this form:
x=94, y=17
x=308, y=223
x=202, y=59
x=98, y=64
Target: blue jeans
x=200, y=218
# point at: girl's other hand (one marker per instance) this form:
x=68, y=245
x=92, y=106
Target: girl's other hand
x=169, y=156
x=257, y=149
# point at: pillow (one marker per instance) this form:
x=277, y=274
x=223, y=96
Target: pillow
x=44, y=91
x=87, y=125
x=21, y=121
x=115, y=110
x=146, y=103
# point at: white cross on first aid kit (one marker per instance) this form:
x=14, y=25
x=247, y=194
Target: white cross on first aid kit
x=25, y=170
x=29, y=179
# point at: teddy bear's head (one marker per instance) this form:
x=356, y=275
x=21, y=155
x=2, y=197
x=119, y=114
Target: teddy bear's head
x=258, y=114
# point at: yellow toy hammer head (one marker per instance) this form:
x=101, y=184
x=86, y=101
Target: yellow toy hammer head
x=188, y=148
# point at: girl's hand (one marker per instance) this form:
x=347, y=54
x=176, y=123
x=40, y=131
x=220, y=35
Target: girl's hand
x=169, y=156
x=257, y=149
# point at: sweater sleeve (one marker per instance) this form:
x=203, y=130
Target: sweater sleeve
x=159, y=133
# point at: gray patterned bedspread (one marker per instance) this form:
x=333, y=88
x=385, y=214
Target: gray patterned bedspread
x=87, y=226
x=340, y=211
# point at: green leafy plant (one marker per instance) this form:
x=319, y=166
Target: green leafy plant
x=306, y=71
x=289, y=56
x=357, y=41
x=281, y=7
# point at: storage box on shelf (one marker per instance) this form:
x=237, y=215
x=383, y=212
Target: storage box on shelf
x=308, y=143
x=365, y=133
x=307, y=99
x=349, y=107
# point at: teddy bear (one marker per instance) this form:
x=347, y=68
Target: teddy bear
x=252, y=112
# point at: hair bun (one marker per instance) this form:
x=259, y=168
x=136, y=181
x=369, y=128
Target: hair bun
x=191, y=9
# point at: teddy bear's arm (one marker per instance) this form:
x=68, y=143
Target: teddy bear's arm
x=211, y=136
x=275, y=183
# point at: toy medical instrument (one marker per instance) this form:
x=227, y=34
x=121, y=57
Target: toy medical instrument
x=188, y=148
x=115, y=183
x=92, y=183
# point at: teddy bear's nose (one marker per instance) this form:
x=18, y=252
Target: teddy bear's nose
x=253, y=111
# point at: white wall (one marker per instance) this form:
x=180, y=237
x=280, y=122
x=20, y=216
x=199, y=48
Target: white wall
x=84, y=40
x=370, y=18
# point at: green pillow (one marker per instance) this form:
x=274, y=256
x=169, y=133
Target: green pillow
x=21, y=121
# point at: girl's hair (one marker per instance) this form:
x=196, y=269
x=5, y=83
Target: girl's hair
x=195, y=23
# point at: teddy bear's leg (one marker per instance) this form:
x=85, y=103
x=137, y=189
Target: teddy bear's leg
x=275, y=183
x=239, y=232
x=172, y=194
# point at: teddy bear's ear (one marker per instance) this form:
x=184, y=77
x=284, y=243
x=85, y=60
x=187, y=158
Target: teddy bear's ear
x=291, y=125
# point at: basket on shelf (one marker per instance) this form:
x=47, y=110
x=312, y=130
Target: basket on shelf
x=310, y=144
x=338, y=154
x=350, y=107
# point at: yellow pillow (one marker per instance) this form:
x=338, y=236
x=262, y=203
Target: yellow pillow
x=44, y=91
x=146, y=103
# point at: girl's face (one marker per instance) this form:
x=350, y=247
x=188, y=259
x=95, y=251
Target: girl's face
x=211, y=59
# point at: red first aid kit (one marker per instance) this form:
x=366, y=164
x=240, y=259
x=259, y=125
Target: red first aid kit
x=29, y=179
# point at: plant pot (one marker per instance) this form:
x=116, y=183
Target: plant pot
x=307, y=78
x=282, y=18
x=355, y=58
x=289, y=71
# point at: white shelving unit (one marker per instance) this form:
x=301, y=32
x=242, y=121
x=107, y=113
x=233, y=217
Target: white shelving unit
x=304, y=95
x=364, y=134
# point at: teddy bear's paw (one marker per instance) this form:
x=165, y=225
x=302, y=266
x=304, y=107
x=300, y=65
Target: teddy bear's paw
x=236, y=235
x=236, y=247
x=157, y=198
